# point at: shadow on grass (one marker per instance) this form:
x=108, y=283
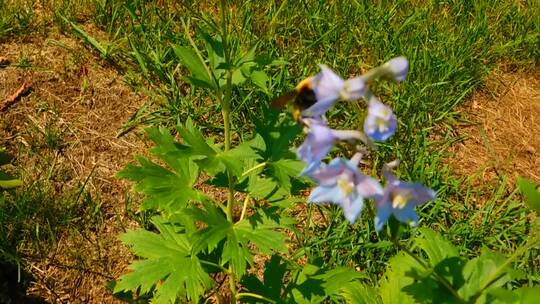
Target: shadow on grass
x=13, y=285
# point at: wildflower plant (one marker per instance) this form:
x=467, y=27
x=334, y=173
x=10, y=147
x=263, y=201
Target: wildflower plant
x=201, y=244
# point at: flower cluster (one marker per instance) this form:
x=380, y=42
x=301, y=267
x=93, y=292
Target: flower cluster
x=340, y=181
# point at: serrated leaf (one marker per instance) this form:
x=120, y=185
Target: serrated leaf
x=260, y=232
x=283, y=170
x=273, y=283
x=214, y=48
x=313, y=284
x=236, y=159
x=173, y=153
x=359, y=293
x=435, y=246
x=168, y=266
x=164, y=190
x=217, y=227
x=531, y=192
x=238, y=77
x=395, y=279
x=260, y=79
x=193, y=63
x=337, y=278
x=480, y=270
x=528, y=295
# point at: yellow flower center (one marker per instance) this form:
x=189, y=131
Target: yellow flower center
x=345, y=184
x=400, y=200
x=381, y=124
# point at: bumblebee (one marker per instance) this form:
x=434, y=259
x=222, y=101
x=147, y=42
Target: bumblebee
x=303, y=97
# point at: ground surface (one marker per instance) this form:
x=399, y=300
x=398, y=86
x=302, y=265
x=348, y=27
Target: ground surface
x=65, y=129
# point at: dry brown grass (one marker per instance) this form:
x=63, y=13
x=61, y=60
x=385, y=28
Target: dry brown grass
x=501, y=135
x=65, y=131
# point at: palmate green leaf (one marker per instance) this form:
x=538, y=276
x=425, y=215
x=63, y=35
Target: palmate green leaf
x=167, y=266
x=236, y=238
x=274, y=181
x=199, y=75
x=273, y=283
x=436, y=248
x=278, y=135
x=282, y=170
x=173, y=153
x=313, y=284
x=214, y=49
x=260, y=79
x=396, y=277
x=488, y=268
x=358, y=293
x=531, y=192
x=210, y=157
x=164, y=189
x=217, y=227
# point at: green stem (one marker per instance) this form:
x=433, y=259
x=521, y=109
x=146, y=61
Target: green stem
x=244, y=208
x=255, y=296
x=226, y=112
x=225, y=270
x=438, y=277
x=253, y=168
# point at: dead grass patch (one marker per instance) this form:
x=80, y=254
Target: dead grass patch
x=500, y=132
x=65, y=131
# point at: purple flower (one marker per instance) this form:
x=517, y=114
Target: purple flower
x=320, y=140
x=399, y=199
x=381, y=122
x=398, y=68
x=341, y=183
x=328, y=88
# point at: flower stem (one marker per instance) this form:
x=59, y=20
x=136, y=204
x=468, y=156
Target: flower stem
x=226, y=112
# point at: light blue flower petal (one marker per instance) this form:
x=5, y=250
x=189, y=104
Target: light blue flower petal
x=322, y=194
x=353, y=89
x=327, y=175
x=398, y=67
x=406, y=215
x=381, y=122
x=369, y=187
x=310, y=169
x=383, y=214
x=352, y=206
x=418, y=193
x=318, y=143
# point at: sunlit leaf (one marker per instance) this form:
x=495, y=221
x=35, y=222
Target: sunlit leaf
x=531, y=192
x=167, y=265
x=199, y=75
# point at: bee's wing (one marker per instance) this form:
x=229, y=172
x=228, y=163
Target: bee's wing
x=282, y=100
